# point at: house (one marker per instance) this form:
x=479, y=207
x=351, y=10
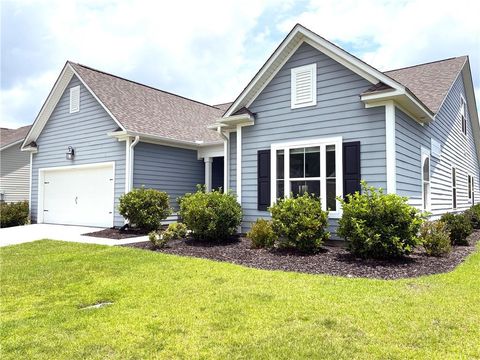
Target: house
x=14, y=165
x=314, y=118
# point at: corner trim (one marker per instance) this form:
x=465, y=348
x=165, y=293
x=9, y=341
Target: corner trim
x=390, y=147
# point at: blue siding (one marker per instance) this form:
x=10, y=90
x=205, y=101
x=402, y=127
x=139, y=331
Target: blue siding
x=339, y=112
x=173, y=170
x=457, y=150
x=86, y=131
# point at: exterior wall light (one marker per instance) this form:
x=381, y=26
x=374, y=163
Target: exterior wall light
x=70, y=154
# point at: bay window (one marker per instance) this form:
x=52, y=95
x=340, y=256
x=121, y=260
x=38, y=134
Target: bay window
x=310, y=166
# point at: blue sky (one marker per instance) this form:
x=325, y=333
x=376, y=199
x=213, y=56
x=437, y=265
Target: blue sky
x=209, y=50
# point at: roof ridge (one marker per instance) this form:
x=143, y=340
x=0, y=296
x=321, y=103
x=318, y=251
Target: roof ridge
x=426, y=63
x=144, y=85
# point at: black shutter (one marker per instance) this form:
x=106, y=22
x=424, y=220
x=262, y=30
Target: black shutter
x=351, y=167
x=263, y=184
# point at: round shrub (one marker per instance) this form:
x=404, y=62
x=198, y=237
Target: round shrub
x=435, y=238
x=261, y=234
x=175, y=231
x=210, y=215
x=459, y=226
x=378, y=225
x=300, y=222
x=144, y=208
x=157, y=239
x=13, y=214
x=474, y=215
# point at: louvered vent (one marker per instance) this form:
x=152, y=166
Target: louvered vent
x=74, y=99
x=304, y=90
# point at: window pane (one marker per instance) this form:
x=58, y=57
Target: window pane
x=312, y=162
x=301, y=187
x=313, y=187
x=297, y=163
x=426, y=169
x=280, y=164
x=454, y=198
x=469, y=187
x=280, y=189
x=331, y=192
x=331, y=161
x=454, y=177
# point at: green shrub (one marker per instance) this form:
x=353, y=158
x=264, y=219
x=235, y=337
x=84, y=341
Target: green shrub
x=210, y=215
x=300, y=222
x=157, y=239
x=144, y=208
x=459, y=226
x=474, y=215
x=435, y=238
x=175, y=231
x=13, y=214
x=261, y=234
x=378, y=225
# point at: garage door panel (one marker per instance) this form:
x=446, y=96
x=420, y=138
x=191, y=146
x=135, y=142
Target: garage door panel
x=79, y=196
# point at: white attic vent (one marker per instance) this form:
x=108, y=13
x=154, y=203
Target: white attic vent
x=304, y=89
x=75, y=99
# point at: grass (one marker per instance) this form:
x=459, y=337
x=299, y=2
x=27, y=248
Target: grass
x=166, y=306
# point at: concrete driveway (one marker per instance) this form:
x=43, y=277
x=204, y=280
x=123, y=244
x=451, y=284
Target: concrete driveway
x=21, y=234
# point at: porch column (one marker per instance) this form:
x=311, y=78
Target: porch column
x=208, y=173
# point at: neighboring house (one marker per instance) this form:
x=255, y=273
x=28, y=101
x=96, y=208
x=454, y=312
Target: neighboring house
x=314, y=118
x=14, y=165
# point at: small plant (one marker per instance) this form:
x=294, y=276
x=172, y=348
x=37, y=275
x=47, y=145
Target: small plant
x=13, y=214
x=157, y=239
x=378, y=225
x=144, y=208
x=435, y=238
x=300, y=222
x=474, y=215
x=262, y=234
x=459, y=226
x=175, y=231
x=210, y=215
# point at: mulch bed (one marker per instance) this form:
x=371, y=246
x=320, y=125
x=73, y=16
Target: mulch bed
x=333, y=260
x=117, y=234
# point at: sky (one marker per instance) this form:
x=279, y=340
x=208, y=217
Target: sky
x=209, y=50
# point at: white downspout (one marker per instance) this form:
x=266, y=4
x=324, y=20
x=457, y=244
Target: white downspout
x=132, y=146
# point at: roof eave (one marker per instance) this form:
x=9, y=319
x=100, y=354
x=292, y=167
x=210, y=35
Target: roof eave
x=231, y=122
x=123, y=135
x=404, y=100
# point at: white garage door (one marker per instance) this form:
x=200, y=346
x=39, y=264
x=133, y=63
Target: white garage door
x=79, y=196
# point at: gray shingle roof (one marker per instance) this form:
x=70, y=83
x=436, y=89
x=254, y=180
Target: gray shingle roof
x=10, y=136
x=146, y=110
x=430, y=82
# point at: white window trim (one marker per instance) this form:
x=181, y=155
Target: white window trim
x=463, y=115
x=471, y=184
x=293, y=72
x=322, y=142
x=425, y=153
x=72, y=93
x=454, y=187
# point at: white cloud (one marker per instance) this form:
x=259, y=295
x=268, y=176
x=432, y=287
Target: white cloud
x=399, y=33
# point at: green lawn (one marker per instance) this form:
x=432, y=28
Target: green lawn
x=175, y=307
